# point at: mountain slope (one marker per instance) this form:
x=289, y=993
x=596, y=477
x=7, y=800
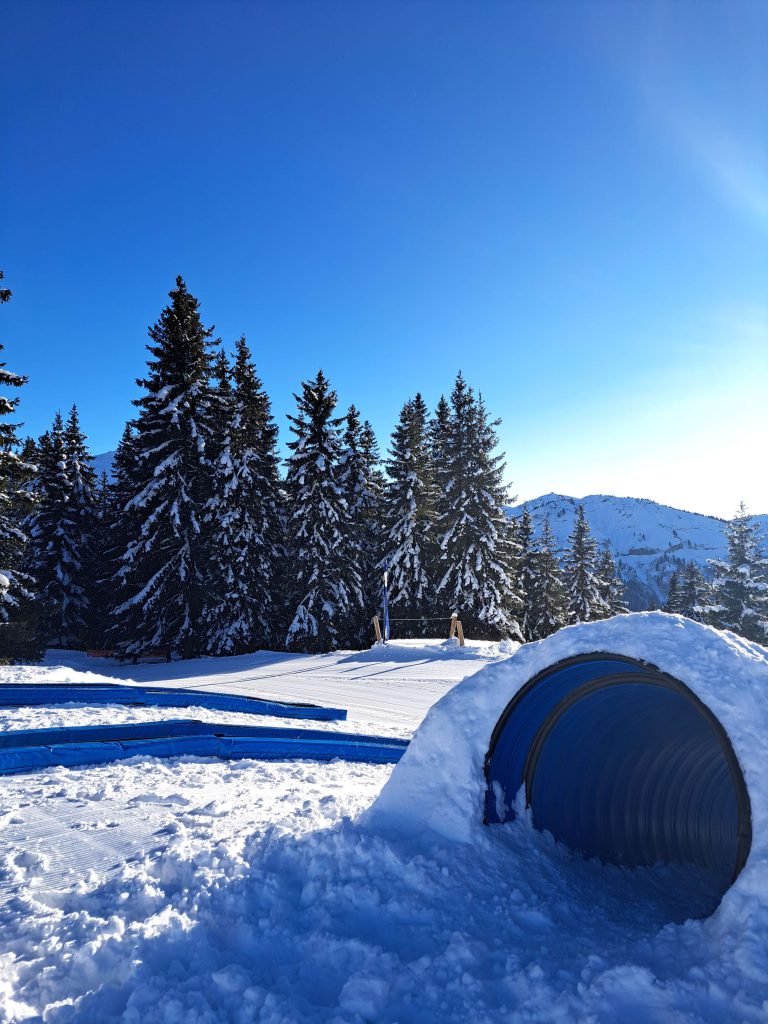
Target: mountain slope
x=648, y=540
x=103, y=463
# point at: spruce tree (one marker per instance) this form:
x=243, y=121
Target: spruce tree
x=740, y=587
x=85, y=516
x=674, y=602
x=28, y=456
x=694, y=592
x=375, y=484
x=610, y=587
x=585, y=602
x=437, y=437
x=244, y=515
x=478, y=557
x=99, y=555
x=527, y=555
x=82, y=475
x=360, y=480
x=408, y=514
x=547, y=598
x=163, y=566
x=120, y=522
x=18, y=633
x=325, y=589
x=56, y=553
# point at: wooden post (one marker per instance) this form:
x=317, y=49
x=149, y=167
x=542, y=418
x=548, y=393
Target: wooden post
x=456, y=628
x=376, y=628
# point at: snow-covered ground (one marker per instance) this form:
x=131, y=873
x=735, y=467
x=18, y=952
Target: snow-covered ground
x=386, y=689
x=199, y=891
x=95, y=860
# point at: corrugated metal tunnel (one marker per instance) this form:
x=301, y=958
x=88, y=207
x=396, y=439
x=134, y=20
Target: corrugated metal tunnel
x=621, y=762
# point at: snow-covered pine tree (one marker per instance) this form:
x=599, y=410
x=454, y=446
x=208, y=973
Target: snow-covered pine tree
x=585, y=602
x=29, y=456
x=220, y=618
x=694, y=592
x=163, y=566
x=740, y=588
x=18, y=634
x=85, y=515
x=527, y=561
x=437, y=437
x=325, y=585
x=610, y=587
x=373, y=580
x=245, y=515
x=222, y=408
x=55, y=551
x=99, y=548
x=547, y=598
x=119, y=524
x=674, y=602
x=360, y=480
x=82, y=475
x=408, y=515
x=375, y=478
x=478, y=556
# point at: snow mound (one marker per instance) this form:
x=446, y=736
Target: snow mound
x=34, y=674
x=439, y=784
x=437, y=650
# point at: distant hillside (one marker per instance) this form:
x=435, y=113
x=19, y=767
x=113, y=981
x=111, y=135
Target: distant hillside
x=648, y=540
x=103, y=463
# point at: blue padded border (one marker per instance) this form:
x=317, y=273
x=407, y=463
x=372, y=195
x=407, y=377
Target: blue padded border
x=31, y=749
x=46, y=694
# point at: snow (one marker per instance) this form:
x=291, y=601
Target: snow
x=200, y=891
x=388, y=685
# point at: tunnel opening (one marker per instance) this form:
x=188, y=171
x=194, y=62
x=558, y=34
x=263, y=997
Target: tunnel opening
x=623, y=763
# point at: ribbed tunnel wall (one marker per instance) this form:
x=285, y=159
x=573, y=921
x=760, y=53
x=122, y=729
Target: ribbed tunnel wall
x=621, y=762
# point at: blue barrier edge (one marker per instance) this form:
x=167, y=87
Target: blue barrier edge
x=36, y=694
x=101, y=744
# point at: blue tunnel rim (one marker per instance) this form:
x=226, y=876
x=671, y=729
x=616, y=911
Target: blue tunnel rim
x=653, y=675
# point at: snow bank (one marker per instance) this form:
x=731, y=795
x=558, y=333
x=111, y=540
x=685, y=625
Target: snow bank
x=437, y=650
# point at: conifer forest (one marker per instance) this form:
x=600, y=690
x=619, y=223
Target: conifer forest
x=205, y=541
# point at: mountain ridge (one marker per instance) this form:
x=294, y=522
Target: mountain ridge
x=648, y=539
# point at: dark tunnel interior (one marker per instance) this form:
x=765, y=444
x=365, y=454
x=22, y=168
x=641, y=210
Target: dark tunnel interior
x=622, y=763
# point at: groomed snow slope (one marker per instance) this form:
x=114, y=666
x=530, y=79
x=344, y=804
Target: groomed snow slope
x=261, y=900
x=386, y=687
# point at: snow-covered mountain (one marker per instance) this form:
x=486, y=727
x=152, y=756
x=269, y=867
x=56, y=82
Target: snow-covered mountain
x=648, y=540
x=103, y=463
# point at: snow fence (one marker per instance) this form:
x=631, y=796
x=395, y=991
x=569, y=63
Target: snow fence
x=641, y=741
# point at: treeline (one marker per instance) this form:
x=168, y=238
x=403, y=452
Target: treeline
x=735, y=597
x=198, y=544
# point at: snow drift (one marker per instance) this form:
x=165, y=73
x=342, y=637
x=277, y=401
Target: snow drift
x=641, y=741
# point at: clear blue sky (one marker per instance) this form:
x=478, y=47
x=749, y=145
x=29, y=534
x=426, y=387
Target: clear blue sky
x=568, y=201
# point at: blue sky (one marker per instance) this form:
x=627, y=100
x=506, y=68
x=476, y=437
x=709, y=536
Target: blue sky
x=568, y=201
